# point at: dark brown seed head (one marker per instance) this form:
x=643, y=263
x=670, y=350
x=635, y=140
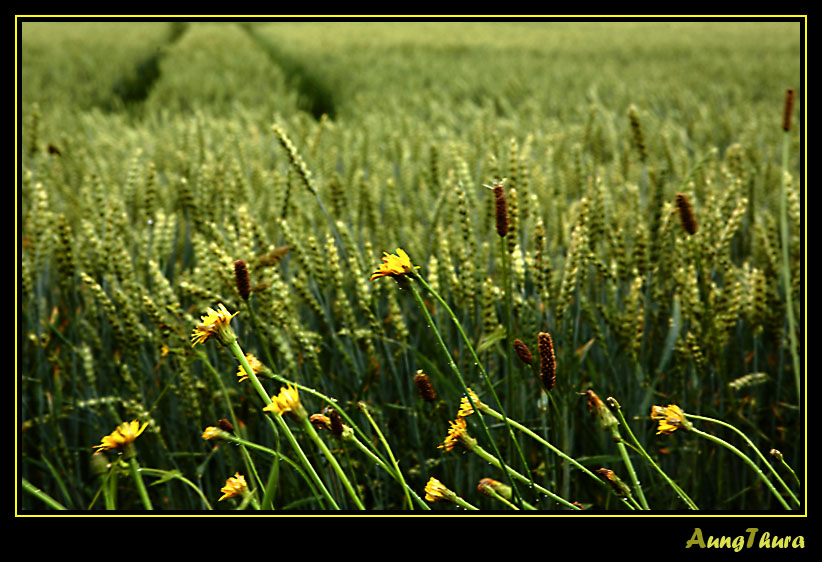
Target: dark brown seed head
x=786, y=115
x=547, y=360
x=424, y=387
x=686, y=213
x=523, y=352
x=241, y=277
x=335, y=419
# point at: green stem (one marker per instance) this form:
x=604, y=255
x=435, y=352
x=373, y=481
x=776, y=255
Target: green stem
x=307, y=427
x=787, y=466
x=373, y=453
x=547, y=444
x=276, y=454
x=509, y=315
x=626, y=459
x=255, y=382
x=271, y=485
x=250, y=468
x=463, y=504
x=331, y=402
x=752, y=446
x=181, y=478
x=488, y=457
x=479, y=365
x=138, y=481
x=382, y=439
x=638, y=448
x=501, y=499
x=42, y=496
x=304, y=461
x=745, y=458
x=374, y=458
x=312, y=433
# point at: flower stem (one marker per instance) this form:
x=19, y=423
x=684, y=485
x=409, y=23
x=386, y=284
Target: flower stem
x=41, y=495
x=138, y=481
x=276, y=454
x=374, y=458
x=255, y=382
x=464, y=504
x=166, y=474
x=626, y=459
x=547, y=444
x=638, y=448
x=312, y=433
x=479, y=365
x=250, y=468
x=742, y=456
x=509, y=314
x=488, y=457
x=752, y=446
x=380, y=436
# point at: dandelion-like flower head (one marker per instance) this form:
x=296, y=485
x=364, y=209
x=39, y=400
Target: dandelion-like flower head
x=216, y=323
x=455, y=435
x=211, y=432
x=288, y=400
x=255, y=364
x=125, y=434
x=670, y=419
x=394, y=265
x=465, y=405
x=234, y=486
x=435, y=490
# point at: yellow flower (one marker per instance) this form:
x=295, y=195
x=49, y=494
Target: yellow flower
x=436, y=491
x=458, y=433
x=125, y=434
x=670, y=419
x=234, y=486
x=465, y=406
x=255, y=364
x=211, y=432
x=288, y=400
x=217, y=323
x=394, y=265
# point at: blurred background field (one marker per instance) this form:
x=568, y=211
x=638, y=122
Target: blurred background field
x=149, y=165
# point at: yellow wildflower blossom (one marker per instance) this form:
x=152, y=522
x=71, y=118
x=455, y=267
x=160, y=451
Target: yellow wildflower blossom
x=255, y=364
x=234, y=486
x=125, y=434
x=288, y=400
x=670, y=419
x=217, y=323
x=458, y=433
x=394, y=265
x=465, y=406
x=211, y=432
x=436, y=490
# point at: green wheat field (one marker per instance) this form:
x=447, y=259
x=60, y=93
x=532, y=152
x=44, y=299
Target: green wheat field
x=261, y=264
